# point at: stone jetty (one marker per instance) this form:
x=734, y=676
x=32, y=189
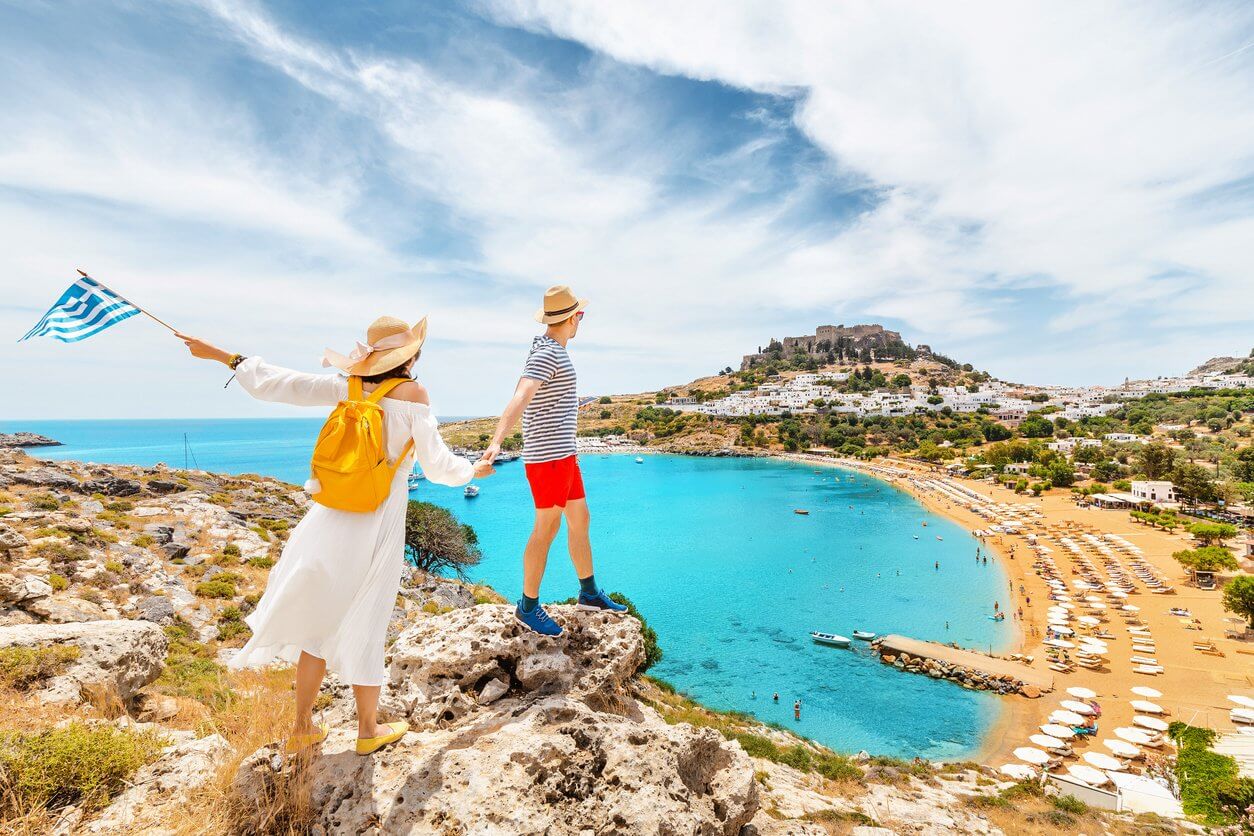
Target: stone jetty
x=967, y=668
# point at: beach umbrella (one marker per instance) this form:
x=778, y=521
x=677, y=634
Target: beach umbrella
x=1087, y=775
x=1146, y=691
x=1243, y=701
x=1090, y=620
x=1101, y=761
x=1027, y=754
x=1047, y=742
x=1137, y=736
x=1122, y=748
x=1068, y=717
x=1078, y=707
x=1058, y=643
x=1092, y=599
x=1117, y=594
x=1149, y=723
x=1097, y=606
x=1147, y=707
x=1061, y=629
x=1081, y=692
x=1059, y=731
x=1067, y=605
x=1018, y=771
x=1130, y=608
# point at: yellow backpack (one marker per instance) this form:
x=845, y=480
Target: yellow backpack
x=350, y=464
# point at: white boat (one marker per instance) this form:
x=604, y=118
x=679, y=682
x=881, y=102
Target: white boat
x=414, y=480
x=471, y=491
x=863, y=635
x=829, y=638
x=639, y=460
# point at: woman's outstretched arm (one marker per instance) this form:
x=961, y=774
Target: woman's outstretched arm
x=267, y=382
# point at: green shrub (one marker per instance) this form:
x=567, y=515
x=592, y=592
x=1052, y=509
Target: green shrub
x=215, y=589
x=231, y=624
x=43, y=501
x=21, y=667
x=231, y=550
x=120, y=506
x=115, y=567
x=60, y=552
x=58, y=582
x=275, y=525
x=1070, y=804
x=143, y=541
x=1210, y=787
x=78, y=764
x=261, y=562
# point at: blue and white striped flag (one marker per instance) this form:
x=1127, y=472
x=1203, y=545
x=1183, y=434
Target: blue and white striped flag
x=86, y=308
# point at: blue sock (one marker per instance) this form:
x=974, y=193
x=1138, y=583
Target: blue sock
x=588, y=586
x=529, y=604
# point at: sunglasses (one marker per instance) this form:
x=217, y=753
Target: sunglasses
x=580, y=315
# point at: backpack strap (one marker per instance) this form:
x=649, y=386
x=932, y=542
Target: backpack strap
x=354, y=388
x=383, y=388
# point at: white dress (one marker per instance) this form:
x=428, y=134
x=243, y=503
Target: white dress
x=332, y=592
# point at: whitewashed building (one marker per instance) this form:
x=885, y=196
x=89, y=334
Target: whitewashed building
x=1154, y=491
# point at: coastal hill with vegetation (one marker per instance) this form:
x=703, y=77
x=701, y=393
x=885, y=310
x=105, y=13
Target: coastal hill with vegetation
x=124, y=591
x=883, y=397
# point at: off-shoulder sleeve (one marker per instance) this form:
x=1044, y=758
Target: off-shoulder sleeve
x=275, y=383
x=439, y=464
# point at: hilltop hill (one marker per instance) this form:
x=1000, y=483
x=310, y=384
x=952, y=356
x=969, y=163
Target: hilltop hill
x=1225, y=365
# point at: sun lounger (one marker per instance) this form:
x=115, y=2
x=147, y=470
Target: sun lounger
x=1143, y=660
x=1152, y=670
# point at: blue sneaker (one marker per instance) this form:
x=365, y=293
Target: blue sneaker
x=537, y=621
x=600, y=603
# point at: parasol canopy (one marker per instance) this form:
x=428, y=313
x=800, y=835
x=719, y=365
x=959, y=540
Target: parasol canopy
x=1018, y=771
x=1082, y=692
x=1036, y=757
x=1122, y=748
x=1078, y=707
x=1087, y=774
x=1131, y=735
x=1059, y=731
x=1149, y=723
x=1241, y=700
x=1147, y=707
x=1146, y=691
x=1068, y=717
x=1101, y=760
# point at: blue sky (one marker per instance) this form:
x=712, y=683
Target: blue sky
x=1054, y=193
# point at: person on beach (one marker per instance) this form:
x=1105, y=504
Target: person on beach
x=329, y=598
x=545, y=398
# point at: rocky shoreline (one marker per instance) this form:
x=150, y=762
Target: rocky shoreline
x=970, y=678
x=122, y=591
x=25, y=439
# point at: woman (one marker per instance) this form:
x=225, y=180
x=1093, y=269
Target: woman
x=329, y=598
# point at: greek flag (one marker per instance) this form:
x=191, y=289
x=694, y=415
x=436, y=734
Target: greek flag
x=86, y=308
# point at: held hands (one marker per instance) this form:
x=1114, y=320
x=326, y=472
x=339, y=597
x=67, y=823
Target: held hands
x=490, y=454
x=483, y=469
x=203, y=350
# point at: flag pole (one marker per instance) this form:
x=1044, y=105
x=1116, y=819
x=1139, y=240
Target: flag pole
x=137, y=307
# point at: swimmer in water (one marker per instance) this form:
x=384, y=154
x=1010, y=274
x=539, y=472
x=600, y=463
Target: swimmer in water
x=776, y=696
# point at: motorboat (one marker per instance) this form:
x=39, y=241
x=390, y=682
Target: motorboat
x=803, y=512
x=863, y=635
x=471, y=491
x=639, y=460
x=829, y=639
x=414, y=480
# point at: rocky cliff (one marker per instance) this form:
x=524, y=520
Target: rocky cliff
x=122, y=592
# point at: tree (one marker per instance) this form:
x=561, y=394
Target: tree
x=1060, y=474
x=1212, y=534
x=1239, y=597
x=994, y=431
x=1155, y=461
x=1194, y=482
x=1106, y=471
x=436, y=542
x=1034, y=426
x=1207, y=559
x=604, y=399
x=901, y=381
x=1243, y=468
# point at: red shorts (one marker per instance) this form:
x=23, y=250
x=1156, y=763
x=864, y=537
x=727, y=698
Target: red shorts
x=555, y=483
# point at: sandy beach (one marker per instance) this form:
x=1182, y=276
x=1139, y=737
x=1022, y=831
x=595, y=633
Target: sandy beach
x=1194, y=684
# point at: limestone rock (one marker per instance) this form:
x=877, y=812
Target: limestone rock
x=439, y=665
x=156, y=608
x=17, y=588
x=160, y=534
x=162, y=486
x=46, y=477
x=113, y=486
x=557, y=768
x=10, y=538
x=123, y=656
x=65, y=609
x=160, y=787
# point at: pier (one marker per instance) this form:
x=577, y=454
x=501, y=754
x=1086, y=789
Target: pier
x=965, y=667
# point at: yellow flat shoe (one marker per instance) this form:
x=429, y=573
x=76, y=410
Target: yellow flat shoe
x=369, y=745
x=300, y=742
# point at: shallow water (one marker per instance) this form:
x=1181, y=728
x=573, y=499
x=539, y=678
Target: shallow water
x=713, y=555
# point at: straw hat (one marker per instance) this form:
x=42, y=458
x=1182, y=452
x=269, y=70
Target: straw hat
x=560, y=303
x=389, y=343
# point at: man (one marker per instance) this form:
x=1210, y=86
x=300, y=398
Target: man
x=546, y=399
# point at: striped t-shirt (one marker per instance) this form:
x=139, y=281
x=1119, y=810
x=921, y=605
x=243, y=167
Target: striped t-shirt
x=549, y=420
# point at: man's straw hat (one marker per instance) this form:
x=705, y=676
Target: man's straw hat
x=389, y=343
x=560, y=303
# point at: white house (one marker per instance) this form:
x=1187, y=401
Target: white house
x=1124, y=438
x=1154, y=491
x=1020, y=468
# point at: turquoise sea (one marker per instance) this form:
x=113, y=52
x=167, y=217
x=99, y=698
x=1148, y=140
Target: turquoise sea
x=712, y=553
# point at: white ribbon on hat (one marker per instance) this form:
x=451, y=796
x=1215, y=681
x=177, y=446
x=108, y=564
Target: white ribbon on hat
x=363, y=350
